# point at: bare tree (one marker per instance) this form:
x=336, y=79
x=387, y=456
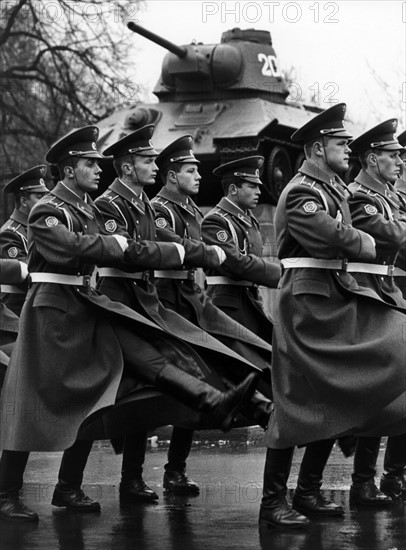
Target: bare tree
x=62, y=64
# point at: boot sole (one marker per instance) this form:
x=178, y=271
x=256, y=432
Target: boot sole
x=25, y=519
x=71, y=508
x=385, y=504
x=244, y=396
x=271, y=525
x=182, y=491
x=319, y=513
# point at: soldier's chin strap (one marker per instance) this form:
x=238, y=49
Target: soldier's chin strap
x=76, y=179
x=379, y=169
x=324, y=152
x=135, y=170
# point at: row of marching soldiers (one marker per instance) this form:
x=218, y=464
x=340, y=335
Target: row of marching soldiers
x=150, y=347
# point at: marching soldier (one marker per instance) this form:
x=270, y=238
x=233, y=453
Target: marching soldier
x=127, y=212
x=12, y=272
x=400, y=187
x=74, y=343
x=327, y=329
x=178, y=218
x=233, y=286
x=28, y=188
x=377, y=209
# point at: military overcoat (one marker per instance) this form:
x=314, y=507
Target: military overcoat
x=179, y=219
x=378, y=210
x=14, y=245
x=238, y=233
x=338, y=349
x=10, y=273
x=68, y=361
x=127, y=214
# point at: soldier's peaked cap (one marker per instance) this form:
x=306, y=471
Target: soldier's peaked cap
x=180, y=150
x=136, y=143
x=327, y=123
x=380, y=137
x=30, y=181
x=245, y=169
x=402, y=139
x=78, y=143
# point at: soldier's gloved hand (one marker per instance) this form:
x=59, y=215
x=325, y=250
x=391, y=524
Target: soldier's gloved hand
x=220, y=253
x=181, y=251
x=122, y=241
x=24, y=271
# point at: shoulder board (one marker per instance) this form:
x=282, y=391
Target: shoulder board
x=307, y=181
x=109, y=195
x=54, y=202
x=159, y=200
x=10, y=225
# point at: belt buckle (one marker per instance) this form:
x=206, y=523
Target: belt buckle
x=145, y=276
x=391, y=270
x=191, y=275
x=86, y=282
x=344, y=264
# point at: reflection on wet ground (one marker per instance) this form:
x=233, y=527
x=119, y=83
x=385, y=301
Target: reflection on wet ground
x=223, y=516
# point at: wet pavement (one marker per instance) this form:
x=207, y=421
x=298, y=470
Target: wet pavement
x=224, y=515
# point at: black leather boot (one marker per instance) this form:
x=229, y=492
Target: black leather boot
x=68, y=493
x=176, y=480
x=12, y=466
x=393, y=481
x=363, y=491
x=200, y=396
x=308, y=498
x=132, y=487
x=275, y=510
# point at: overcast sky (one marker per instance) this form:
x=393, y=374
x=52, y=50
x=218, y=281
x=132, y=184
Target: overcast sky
x=336, y=46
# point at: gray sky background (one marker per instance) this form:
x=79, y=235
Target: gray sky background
x=352, y=51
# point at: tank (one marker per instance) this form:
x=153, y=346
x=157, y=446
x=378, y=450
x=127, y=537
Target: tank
x=231, y=97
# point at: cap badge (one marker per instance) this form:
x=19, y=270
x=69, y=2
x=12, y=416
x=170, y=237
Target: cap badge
x=41, y=181
x=93, y=146
x=42, y=170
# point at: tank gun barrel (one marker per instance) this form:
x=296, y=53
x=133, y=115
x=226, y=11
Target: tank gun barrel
x=177, y=50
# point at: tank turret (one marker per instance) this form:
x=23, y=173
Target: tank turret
x=231, y=97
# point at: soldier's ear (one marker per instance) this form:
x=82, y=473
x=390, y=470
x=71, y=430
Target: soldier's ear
x=233, y=189
x=372, y=159
x=69, y=172
x=318, y=148
x=126, y=168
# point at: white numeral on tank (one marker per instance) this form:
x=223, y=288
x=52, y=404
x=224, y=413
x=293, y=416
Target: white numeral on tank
x=270, y=66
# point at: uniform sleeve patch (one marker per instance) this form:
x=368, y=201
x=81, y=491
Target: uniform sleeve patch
x=161, y=223
x=111, y=226
x=310, y=207
x=222, y=236
x=51, y=221
x=12, y=252
x=370, y=209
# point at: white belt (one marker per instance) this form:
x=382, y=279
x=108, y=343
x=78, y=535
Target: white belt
x=112, y=272
x=218, y=280
x=343, y=265
x=11, y=289
x=174, y=274
x=61, y=279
